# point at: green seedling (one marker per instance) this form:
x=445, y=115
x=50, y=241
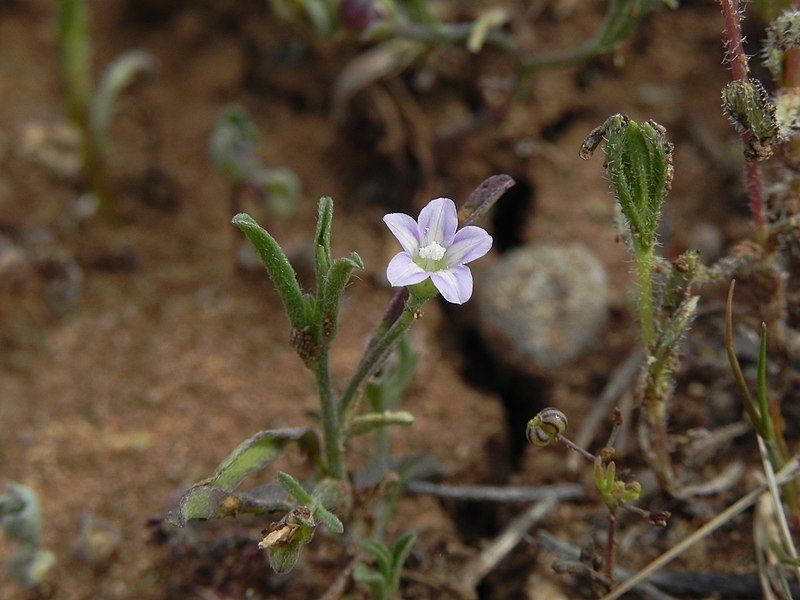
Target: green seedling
x=21, y=518
x=90, y=111
x=548, y=426
x=232, y=149
x=384, y=579
x=639, y=166
x=432, y=262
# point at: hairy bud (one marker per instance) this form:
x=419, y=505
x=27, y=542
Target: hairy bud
x=748, y=106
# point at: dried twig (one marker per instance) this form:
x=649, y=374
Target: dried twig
x=491, y=493
x=491, y=555
x=786, y=473
x=337, y=588
x=780, y=516
x=619, y=381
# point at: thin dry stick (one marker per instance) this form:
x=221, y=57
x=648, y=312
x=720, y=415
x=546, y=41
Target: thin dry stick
x=783, y=525
x=617, y=384
x=339, y=585
x=487, y=560
x=789, y=471
x=497, y=493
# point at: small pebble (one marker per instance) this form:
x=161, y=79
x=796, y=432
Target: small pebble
x=545, y=303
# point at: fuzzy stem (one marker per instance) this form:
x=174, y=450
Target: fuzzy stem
x=737, y=58
x=379, y=346
x=644, y=296
x=330, y=418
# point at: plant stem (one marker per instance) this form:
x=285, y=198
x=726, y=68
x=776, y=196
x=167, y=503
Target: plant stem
x=330, y=418
x=644, y=296
x=573, y=446
x=377, y=349
x=736, y=56
x=611, y=545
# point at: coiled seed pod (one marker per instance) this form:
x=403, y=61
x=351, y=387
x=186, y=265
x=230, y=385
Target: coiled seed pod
x=546, y=426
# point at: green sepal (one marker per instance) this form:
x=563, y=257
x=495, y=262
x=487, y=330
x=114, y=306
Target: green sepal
x=278, y=267
x=370, y=422
x=284, y=540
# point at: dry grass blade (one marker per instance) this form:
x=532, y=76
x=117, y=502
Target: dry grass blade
x=786, y=473
x=491, y=555
x=780, y=515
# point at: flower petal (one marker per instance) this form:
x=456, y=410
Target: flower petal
x=404, y=271
x=469, y=243
x=455, y=284
x=438, y=222
x=404, y=228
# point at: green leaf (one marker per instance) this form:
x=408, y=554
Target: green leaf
x=120, y=74
x=328, y=520
x=381, y=554
x=333, y=289
x=232, y=144
x=493, y=18
x=293, y=487
x=370, y=422
x=75, y=55
x=278, y=268
x=322, y=241
x=750, y=109
x=280, y=187
x=369, y=576
x=206, y=502
x=682, y=273
x=318, y=511
x=401, y=550
x=675, y=329
x=257, y=452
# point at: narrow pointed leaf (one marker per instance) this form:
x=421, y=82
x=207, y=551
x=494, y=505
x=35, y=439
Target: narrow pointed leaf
x=327, y=519
x=295, y=489
x=381, y=553
x=333, y=288
x=260, y=450
x=401, y=550
x=120, y=74
x=370, y=422
x=278, y=268
x=75, y=55
x=322, y=240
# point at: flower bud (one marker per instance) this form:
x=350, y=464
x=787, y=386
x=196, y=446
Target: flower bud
x=546, y=426
x=783, y=35
x=639, y=166
x=750, y=110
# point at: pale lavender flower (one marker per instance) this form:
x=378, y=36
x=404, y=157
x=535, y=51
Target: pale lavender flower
x=433, y=248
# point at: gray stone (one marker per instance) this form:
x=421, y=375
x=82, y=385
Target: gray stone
x=544, y=304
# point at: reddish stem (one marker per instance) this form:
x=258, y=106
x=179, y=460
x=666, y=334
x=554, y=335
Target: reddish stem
x=735, y=55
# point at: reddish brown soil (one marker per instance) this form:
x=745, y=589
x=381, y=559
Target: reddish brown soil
x=112, y=410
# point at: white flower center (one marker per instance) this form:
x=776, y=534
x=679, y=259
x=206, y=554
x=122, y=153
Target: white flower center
x=433, y=251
